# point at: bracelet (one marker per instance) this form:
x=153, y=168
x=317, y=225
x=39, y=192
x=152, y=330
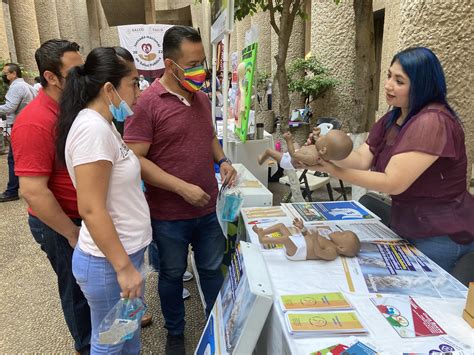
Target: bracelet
x=224, y=160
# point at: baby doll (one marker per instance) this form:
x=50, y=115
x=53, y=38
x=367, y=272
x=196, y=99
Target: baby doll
x=301, y=244
x=335, y=145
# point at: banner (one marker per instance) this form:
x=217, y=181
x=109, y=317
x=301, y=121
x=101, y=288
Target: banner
x=245, y=73
x=145, y=44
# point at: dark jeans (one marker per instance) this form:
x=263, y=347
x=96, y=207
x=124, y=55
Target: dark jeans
x=13, y=184
x=75, y=308
x=153, y=256
x=173, y=239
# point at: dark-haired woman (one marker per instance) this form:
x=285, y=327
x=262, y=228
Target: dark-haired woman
x=416, y=153
x=116, y=222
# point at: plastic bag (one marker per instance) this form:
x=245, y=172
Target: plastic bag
x=122, y=321
x=229, y=203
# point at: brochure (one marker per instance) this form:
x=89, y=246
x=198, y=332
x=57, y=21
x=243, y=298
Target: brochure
x=324, y=323
x=311, y=212
x=331, y=350
x=406, y=317
x=314, y=302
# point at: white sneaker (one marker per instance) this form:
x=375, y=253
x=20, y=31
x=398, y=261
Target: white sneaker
x=187, y=276
x=186, y=293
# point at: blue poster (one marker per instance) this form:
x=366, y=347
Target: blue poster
x=332, y=211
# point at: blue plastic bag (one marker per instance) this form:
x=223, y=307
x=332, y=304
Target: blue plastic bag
x=122, y=321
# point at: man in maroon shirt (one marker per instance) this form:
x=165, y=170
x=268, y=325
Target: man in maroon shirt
x=46, y=186
x=173, y=135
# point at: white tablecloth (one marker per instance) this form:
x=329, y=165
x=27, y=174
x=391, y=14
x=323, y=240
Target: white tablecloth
x=290, y=277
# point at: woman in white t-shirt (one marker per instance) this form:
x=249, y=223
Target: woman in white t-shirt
x=116, y=225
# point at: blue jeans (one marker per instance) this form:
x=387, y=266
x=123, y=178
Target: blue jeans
x=154, y=256
x=173, y=239
x=442, y=250
x=98, y=281
x=75, y=308
x=13, y=182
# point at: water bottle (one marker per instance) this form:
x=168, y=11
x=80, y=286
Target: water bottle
x=278, y=145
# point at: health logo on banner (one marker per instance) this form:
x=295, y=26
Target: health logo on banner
x=145, y=44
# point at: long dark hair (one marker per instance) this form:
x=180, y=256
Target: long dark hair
x=83, y=85
x=427, y=81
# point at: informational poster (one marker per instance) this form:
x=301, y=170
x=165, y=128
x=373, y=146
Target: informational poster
x=399, y=268
x=311, y=212
x=246, y=73
x=241, y=307
x=145, y=42
x=407, y=318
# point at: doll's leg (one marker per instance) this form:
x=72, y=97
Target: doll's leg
x=263, y=238
x=269, y=153
x=280, y=228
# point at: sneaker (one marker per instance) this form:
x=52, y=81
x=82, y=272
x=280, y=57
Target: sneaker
x=147, y=319
x=186, y=293
x=6, y=198
x=175, y=345
x=187, y=276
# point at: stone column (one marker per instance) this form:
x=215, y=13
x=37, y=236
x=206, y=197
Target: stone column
x=4, y=50
x=25, y=31
x=81, y=21
x=9, y=31
x=446, y=28
x=94, y=28
x=150, y=12
x=67, y=24
x=48, y=25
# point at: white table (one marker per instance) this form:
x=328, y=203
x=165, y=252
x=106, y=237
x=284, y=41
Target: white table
x=253, y=196
x=289, y=277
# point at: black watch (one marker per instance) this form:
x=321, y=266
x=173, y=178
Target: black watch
x=224, y=160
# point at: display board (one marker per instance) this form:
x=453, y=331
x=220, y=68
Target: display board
x=241, y=307
x=246, y=73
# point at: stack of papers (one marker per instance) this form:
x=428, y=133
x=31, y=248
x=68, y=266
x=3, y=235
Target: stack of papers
x=328, y=301
x=324, y=324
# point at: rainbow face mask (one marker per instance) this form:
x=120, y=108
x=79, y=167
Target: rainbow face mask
x=194, y=77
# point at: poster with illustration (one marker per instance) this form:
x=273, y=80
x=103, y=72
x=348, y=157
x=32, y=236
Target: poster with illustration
x=339, y=211
x=399, y=268
x=246, y=73
x=407, y=318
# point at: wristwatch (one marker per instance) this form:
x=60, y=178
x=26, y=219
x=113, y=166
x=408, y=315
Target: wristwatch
x=224, y=160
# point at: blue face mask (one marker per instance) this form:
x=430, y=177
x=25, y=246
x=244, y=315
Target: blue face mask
x=121, y=112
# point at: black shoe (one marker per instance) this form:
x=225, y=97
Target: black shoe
x=175, y=345
x=6, y=198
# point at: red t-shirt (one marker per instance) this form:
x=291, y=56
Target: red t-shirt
x=33, y=141
x=437, y=203
x=181, y=144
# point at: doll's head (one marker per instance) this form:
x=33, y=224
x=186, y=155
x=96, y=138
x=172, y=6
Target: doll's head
x=335, y=145
x=347, y=243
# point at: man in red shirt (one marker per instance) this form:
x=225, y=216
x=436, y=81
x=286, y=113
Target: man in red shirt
x=173, y=135
x=45, y=185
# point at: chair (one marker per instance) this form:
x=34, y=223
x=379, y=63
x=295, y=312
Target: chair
x=309, y=183
x=378, y=204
